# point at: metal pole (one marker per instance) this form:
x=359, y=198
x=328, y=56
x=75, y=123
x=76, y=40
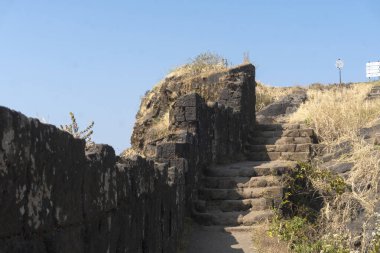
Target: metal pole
x=340, y=76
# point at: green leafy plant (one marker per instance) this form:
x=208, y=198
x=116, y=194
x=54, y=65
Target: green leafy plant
x=306, y=188
x=297, y=222
x=302, y=236
x=73, y=129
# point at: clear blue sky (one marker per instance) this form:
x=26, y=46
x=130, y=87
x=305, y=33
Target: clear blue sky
x=97, y=58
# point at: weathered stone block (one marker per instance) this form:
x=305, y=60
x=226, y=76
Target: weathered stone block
x=178, y=113
x=172, y=150
x=191, y=114
x=53, y=161
x=291, y=133
x=282, y=140
x=302, y=140
x=303, y=147
x=192, y=99
x=296, y=156
x=180, y=163
x=14, y=159
x=286, y=148
x=68, y=163
x=306, y=132
x=265, y=156
x=100, y=188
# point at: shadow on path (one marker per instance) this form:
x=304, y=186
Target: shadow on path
x=213, y=239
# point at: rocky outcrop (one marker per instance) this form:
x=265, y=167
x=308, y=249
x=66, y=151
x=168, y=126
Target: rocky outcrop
x=204, y=133
x=232, y=90
x=283, y=107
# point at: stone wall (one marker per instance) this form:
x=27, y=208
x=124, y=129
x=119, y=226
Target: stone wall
x=57, y=198
x=205, y=134
x=224, y=88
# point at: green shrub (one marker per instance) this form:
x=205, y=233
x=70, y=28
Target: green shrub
x=306, y=188
x=302, y=236
x=73, y=129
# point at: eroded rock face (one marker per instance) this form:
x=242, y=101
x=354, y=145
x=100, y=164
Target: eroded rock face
x=283, y=107
x=362, y=221
x=232, y=89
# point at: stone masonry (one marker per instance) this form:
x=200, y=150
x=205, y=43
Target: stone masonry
x=55, y=197
x=241, y=194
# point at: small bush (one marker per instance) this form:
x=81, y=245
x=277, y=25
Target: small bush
x=202, y=64
x=306, y=189
x=73, y=129
x=303, y=236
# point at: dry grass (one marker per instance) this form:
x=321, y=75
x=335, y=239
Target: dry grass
x=266, y=244
x=337, y=114
x=130, y=152
x=159, y=129
x=202, y=75
x=205, y=63
x=266, y=94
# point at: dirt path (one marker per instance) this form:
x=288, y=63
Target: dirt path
x=214, y=239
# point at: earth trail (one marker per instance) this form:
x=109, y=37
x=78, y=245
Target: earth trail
x=209, y=239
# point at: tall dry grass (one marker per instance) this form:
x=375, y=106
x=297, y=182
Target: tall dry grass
x=337, y=114
x=204, y=63
x=266, y=94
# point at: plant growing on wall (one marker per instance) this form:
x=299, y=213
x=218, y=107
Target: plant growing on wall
x=73, y=129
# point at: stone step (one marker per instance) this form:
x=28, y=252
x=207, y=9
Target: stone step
x=307, y=132
x=279, y=148
x=238, y=229
x=274, y=192
x=251, y=169
x=257, y=204
x=279, y=140
x=272, y=156
x=241, y=182
x=233, y=218
x=278, y=127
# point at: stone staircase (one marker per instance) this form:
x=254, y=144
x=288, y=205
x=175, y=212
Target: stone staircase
x=244, y=193
x=374, y=93
x=270, y=142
